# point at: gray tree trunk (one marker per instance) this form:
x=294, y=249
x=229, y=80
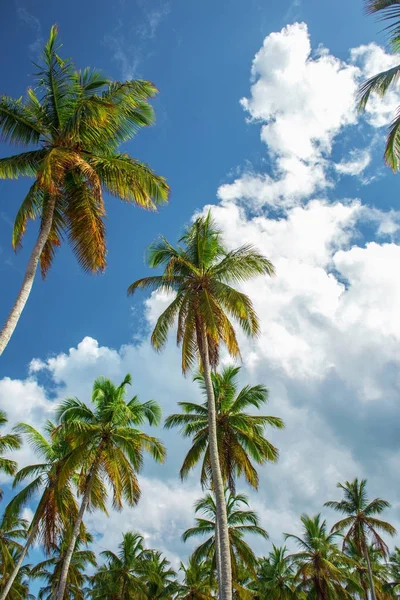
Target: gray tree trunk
x=23, y=294
x=19, y=562
x=218, y=484
x=218, y=557
x=74, y=536
x=370, y=576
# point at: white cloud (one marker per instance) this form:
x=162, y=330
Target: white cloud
x=357, y=161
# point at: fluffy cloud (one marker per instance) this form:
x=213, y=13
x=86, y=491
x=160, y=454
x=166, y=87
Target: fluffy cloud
x=303, y=100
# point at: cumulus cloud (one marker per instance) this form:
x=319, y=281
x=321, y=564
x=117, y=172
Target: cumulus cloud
x=303, y=99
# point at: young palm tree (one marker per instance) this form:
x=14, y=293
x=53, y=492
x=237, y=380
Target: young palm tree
x=275, y=578
x=122, y=572
x=387, y=10
x=76, y=120
x=57, y=504
x=240, y=434
x=200, y=271
x=240, y=523
x=196, y=583
x=322, y=569
x=10, y=441
x=361, y=522
x=160, y=579
x=107, y=446
x=49, y=570
x=12, y=530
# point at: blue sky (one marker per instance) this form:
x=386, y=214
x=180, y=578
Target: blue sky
x=292, y=168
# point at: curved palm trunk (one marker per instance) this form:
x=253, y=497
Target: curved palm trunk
x=225, y=576
x=23, y=294
x=19, y=562
x=370, y=576
x=74, y=535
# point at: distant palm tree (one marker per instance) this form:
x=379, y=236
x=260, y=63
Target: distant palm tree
x=196, y=583
x=387, y=10
x=361, y=523
x=160, y=579
x=76, y=120
x=13, y=530
x=10, y=441
x=275, y=578
x=122, y=571
x=240, y=523
x=49, y=570
x=322, y=570
x=240, y=434
x=108, y=446
x=19, y=590
x=56, y=505
x=394, y=571
x=201, y=273
x=380, y=570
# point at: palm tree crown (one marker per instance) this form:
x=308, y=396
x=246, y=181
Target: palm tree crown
x=10, y=441
x=199, y=272
x=240, y=434
x=240, y=522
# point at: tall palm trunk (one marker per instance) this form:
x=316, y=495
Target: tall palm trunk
x=225, y=576
x=20, y=560
x=370, y=576
x=218, y=557
x=75, y=531
x=25, y=290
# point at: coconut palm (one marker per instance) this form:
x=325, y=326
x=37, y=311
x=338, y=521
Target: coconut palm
x=387, y=10
x=72, y=123
x=380, y=570
x=360, y=523
x=56, y=505
x=394, y=571
x=240, y=522
x=321, y=568
x=10, y=441
x=49, y=570
x=240, y=434
x=122, y=571
x=19, y=589
x=108, y=446
x=200, y=272
x=13, y=530
x=196, y=584
x=160, y=579
x=275, y=578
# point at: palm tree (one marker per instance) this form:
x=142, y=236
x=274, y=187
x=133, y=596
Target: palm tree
x=19, y=589
x=394, y=571
x=322, y=568
x=275, y=578
x=380, y=570
x=57, y=504
x=76, y=120
x=10, y=441
x=199, y=272
x=160, y=579
x=196, y=584
x=108, y=446
x=12, y=529
x=387, y=10
x=240, y=523
x=360, y=521
x=122, y=572
x=240, y=434
x=49, y=570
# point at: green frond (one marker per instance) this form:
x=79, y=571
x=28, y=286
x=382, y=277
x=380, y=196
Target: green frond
x=29, y=209
x=25, y=164
x=392, y=150
x=379, y=84
x=16, y=123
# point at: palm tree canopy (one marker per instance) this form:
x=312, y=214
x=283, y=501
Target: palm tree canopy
x=10, y=441
x=240, y=434
x=360, y=521
x=76, y=119
x=240, y=523
x=106, y=440
x=200, y=272
x=389, y=12
x=57, y=504
x=196, y=584
x=275, y=577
